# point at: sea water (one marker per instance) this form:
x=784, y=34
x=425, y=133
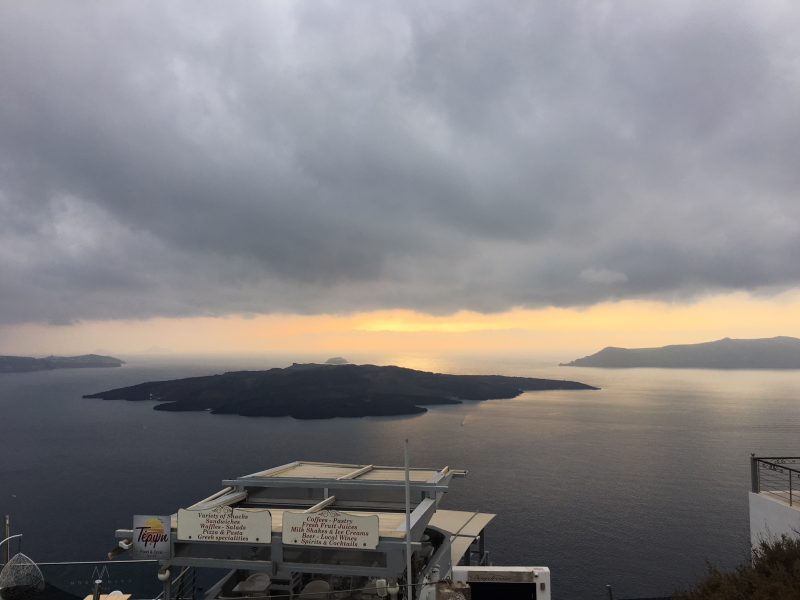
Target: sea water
x=636, y=485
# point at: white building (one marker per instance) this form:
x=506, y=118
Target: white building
x=774, y=498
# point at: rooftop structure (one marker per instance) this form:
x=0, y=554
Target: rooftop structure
x=331, y=526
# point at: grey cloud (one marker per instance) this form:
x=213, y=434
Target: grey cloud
x=208, y=159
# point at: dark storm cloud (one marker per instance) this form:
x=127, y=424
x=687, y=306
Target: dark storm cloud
x=184, y=159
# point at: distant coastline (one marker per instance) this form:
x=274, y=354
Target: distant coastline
x=767, y=353
x=314, y=391
x=24, y=364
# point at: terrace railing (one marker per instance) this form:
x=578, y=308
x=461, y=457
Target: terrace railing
x=182, y=587
x=777, y=476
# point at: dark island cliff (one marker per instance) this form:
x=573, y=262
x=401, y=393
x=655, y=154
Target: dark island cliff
x=767, y=353
x=314, y=391
x=24, y=364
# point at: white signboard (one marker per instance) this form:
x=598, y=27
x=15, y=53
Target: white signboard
x=330, y=528
x=225, y=524
x=150, y=537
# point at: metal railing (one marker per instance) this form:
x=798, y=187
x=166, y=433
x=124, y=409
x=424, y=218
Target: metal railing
x=6, y=545
x=183, y=587
x=777, y=476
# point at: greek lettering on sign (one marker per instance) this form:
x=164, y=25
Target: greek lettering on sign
x=151, y=537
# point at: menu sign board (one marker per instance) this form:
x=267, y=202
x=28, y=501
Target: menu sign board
x=225, y=524
x=330, y=528
x=150, y=537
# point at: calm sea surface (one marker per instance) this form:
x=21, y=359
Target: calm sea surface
x=636, y=485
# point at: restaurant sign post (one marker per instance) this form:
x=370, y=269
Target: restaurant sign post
x=225, y=524
x=330, y=528
x=150, y=537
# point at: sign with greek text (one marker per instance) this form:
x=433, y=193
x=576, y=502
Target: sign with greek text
x=330, y=528
x=150, y=537
x=225, y=524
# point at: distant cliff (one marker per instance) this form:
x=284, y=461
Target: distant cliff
x=312, y=391
x=768, y=353
x=22, y=364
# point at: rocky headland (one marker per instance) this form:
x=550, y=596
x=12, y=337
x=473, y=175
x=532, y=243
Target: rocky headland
x=24, y=364
x=767, y=353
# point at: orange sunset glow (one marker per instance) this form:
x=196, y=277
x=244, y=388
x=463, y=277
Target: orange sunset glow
x=559, y=333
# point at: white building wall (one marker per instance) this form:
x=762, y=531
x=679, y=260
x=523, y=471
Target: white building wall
x=771, y=518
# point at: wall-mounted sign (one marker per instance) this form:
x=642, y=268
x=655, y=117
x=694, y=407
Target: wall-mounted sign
x=225, y=524
x=150, y=537
x=330, y=528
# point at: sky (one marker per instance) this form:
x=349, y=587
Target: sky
x=360, y=175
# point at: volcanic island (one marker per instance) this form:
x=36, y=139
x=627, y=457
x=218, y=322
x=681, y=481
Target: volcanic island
x=315, y=391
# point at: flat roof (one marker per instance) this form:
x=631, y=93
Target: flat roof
x=349, y=472
x=787, y=497
x=461, y=522
x=463, y=527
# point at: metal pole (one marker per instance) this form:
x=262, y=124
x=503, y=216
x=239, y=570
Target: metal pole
x=96, y=592
x=610, y=593
x=754, y=483
x=409, y=576
x=7, y=534
x=790, y=488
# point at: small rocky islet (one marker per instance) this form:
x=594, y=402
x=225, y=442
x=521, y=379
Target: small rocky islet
x=315, y=391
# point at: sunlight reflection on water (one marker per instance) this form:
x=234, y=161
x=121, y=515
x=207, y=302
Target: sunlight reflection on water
x=603, y=487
